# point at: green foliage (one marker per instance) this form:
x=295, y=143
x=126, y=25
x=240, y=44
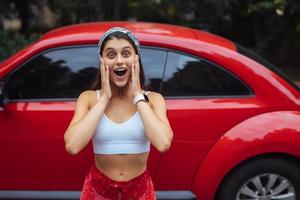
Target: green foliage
x=269, y=27
x=11, y=42
x=78, y=11
x=267, y=5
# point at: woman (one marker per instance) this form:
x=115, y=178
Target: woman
x=122, y=120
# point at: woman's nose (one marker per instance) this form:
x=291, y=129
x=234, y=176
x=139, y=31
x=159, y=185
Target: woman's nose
x=119, y=59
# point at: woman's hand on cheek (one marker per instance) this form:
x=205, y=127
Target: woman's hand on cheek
x=105, y=85
x=135, y=85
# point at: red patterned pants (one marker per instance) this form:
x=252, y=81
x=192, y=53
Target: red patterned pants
x=98, y=186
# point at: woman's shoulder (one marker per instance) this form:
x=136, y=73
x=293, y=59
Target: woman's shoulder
x=153, y=94
x=89, y=96
x=88, y=93
x=154, y=97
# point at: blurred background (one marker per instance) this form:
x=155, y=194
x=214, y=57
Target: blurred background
x=270, y=28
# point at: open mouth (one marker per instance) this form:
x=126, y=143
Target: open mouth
x=120, y=72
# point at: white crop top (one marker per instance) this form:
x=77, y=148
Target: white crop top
x=124, y=138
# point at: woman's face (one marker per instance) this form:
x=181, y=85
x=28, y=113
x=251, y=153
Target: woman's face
x=118, y=55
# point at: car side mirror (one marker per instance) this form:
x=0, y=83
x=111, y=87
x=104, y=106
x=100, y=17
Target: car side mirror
x=3, y=100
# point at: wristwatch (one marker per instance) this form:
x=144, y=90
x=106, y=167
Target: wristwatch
x=140, y=97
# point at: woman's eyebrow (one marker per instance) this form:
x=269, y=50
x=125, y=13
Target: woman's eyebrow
x=111, y=48
x=127, y=47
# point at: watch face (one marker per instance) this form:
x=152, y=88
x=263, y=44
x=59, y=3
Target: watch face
x=146, y=98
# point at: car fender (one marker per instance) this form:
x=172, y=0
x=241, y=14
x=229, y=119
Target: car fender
x=273, y=132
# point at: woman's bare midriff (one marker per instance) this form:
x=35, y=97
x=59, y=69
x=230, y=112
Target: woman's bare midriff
x=121, y=167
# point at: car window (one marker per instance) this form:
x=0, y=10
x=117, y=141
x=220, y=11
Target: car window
x=191, y=76
x=153, y=61
x=66, y=72
x=59, y=73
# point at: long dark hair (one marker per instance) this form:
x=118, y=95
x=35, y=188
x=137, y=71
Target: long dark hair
x=119, y=35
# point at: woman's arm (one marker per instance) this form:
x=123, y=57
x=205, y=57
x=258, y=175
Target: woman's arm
x=154, y=117
x=155, y=121
x=84, y=122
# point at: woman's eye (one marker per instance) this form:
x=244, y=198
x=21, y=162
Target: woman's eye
x=111, y=55
x=126, y=54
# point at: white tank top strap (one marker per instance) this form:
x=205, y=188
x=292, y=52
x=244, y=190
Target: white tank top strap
x=147, y=92
x=98, y=94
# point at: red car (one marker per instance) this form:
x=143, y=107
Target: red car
x=235, y=117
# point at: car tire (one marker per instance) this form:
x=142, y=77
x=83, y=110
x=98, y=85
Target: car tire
x=262, y=177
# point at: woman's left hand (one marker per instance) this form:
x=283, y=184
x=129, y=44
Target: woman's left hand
x=135, y=84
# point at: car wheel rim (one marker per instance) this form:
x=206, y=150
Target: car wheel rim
x=267, y=187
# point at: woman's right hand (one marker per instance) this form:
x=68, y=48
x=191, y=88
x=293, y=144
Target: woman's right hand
x=105, y=85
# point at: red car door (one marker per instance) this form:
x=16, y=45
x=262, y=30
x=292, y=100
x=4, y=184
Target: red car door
x=42, y=95
x=204, y=101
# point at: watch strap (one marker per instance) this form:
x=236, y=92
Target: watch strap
x=140, y=97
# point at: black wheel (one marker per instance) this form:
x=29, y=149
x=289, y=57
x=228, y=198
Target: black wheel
x=262, y=179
